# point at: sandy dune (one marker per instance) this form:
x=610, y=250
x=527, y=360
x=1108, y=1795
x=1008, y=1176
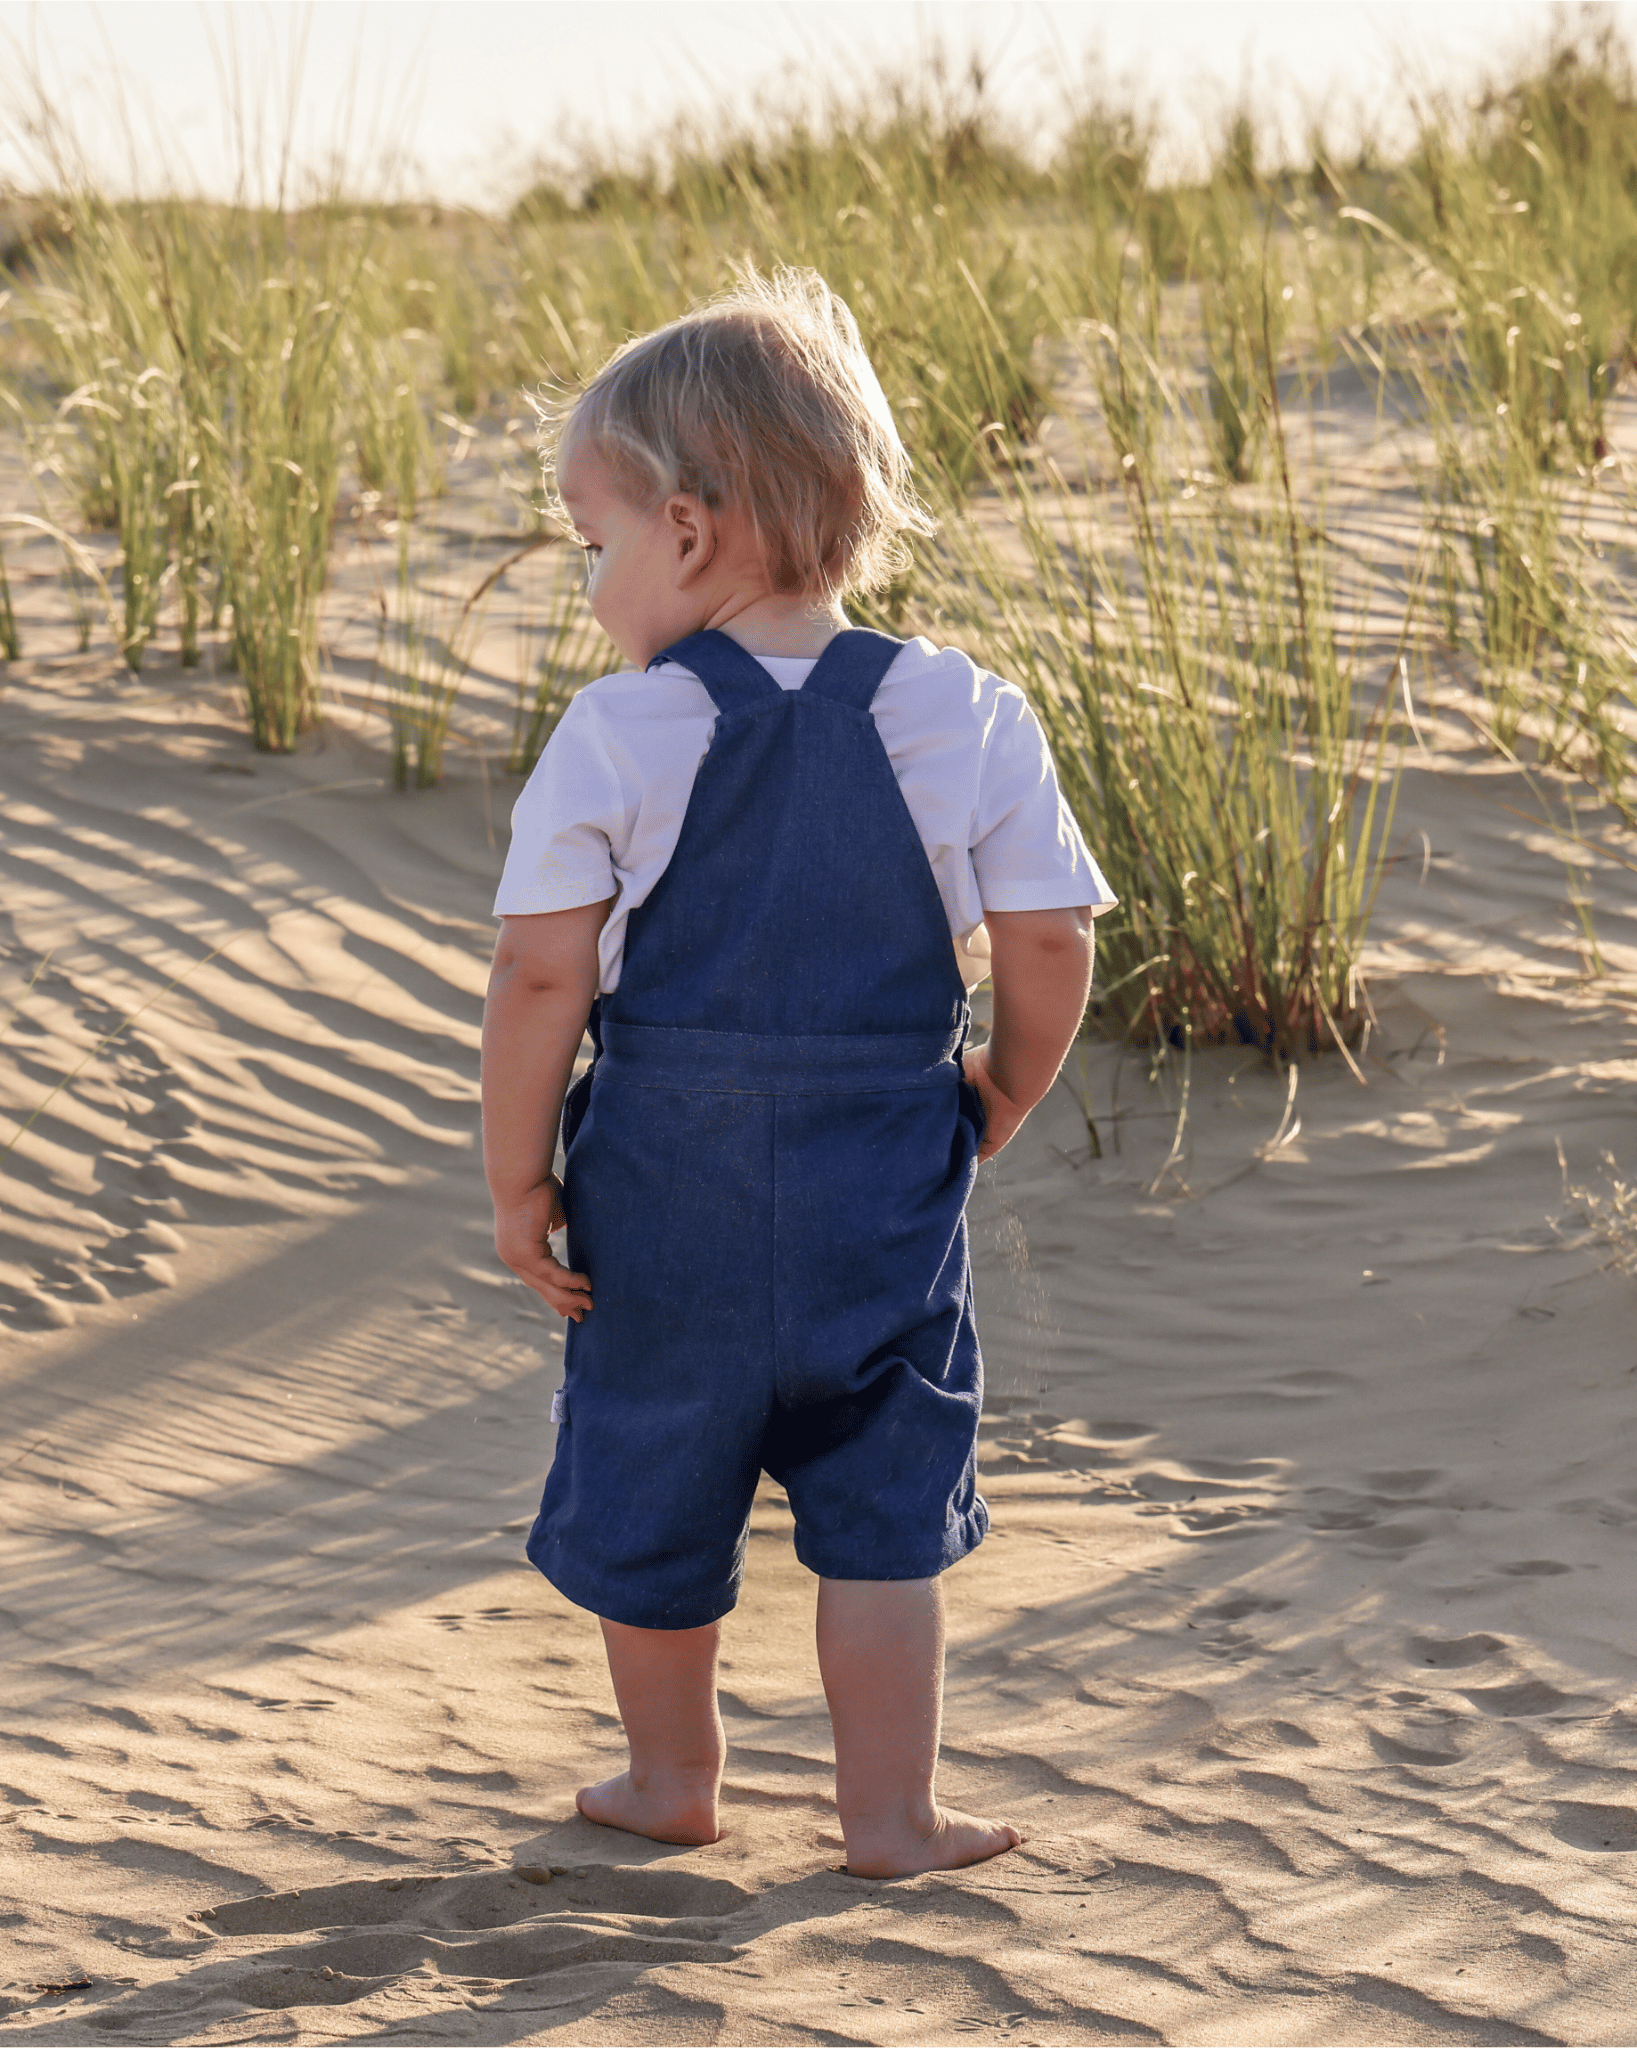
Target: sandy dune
x=1303, y=1646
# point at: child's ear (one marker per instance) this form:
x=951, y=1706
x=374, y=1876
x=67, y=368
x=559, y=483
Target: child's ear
x=691, y=529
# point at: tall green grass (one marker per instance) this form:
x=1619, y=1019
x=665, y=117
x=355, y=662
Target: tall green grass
x=914, y=202
x=267, y=398
x=202, y=350
x=224, y=376
x=427, y=637
x=11, y=645
x=1214, y=734
x=560, y=649
x=1528, y=210
x=1520, y=216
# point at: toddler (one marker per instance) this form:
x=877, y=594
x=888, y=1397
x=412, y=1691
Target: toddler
x=764, y=864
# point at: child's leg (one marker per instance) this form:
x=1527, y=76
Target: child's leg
x=881, y=1650
x=665, y=1682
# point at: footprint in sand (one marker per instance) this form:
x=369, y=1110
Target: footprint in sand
x=129, y=1108
x=140, y=1259
x=1375, y=1521
x=1402, y=1485
x=1241, y=1605
x=1454, y=1653
x=1291, y=1735
x=1274, y=1735
x=1603, y=1830
x=1517, y=1702
x=72, y=1280
x=1392, y=1750
x=23, y=1308
x=129, y=1262
x=1273, y=1785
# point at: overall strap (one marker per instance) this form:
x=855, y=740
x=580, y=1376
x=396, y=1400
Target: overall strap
x=850, y=669
x=736, y=680
x=799, y=901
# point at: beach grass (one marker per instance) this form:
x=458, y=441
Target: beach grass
x=560, y=648
x=221, y=379
x=11, y=645
x=1519, y=215
x=1225, y=749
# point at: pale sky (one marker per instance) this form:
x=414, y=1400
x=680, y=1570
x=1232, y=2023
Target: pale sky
x=459, y=95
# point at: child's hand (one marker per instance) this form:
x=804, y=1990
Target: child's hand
x=521, y=1231
x=1001, y=1116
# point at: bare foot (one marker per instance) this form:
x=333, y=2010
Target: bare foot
x=673, y=1813
x=952, y=1841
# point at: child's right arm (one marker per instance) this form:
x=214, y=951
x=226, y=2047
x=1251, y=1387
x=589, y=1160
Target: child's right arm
x=541, y=988
x=1041, y=973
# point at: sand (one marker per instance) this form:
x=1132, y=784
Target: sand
x=1302, y=1646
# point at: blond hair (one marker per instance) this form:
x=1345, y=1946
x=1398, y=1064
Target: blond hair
x=762, y=400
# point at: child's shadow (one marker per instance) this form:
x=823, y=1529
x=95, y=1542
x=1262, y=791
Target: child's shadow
x=582, y=1914
x=604, y=1870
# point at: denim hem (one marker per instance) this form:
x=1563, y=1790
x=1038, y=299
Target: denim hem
x=972, y=1527
x=608, y=1604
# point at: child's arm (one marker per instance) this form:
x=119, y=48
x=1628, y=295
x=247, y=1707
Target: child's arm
x=1041, y=973
x=541, y=988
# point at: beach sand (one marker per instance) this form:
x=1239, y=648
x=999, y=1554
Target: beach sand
x=1302, y=1646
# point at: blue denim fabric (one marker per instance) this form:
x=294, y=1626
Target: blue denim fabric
x=767, y=1174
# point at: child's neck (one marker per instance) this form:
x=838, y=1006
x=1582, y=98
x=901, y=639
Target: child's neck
x=795, y=626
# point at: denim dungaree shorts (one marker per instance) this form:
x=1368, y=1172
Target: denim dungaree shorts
x=767, y=1174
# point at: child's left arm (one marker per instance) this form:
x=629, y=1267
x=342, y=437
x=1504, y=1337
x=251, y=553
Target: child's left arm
x=1041, y=976
x=541, y=988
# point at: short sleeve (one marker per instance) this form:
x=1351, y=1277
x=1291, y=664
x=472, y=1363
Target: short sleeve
x=1027, y=850
x=571, y=815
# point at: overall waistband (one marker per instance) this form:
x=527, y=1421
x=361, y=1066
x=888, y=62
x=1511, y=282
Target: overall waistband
x=747, y=1063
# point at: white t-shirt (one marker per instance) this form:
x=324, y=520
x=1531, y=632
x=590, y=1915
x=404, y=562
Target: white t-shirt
x=602, y=812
